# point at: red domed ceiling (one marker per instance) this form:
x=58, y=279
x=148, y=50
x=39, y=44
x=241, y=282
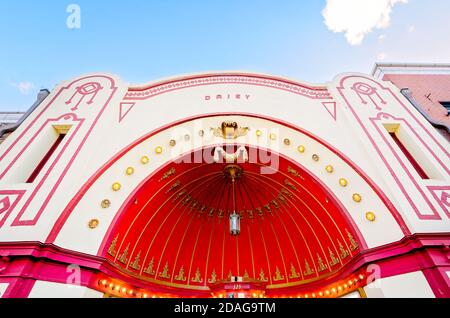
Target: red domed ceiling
x=175, y=231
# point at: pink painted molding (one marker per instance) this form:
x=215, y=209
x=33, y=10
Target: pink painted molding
x=48, y=262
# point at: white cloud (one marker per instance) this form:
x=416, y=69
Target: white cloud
x=24, y=87
x=381, y=37
x=357, y=18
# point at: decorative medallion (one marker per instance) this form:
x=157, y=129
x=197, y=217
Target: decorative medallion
x=370, y=216
x=356, y=197
x=343, y=182
x=105, y=203
x=246, y=276
x=93, y=223
x=230, y=130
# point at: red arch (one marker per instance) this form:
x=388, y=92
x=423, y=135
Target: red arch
x=73, y=203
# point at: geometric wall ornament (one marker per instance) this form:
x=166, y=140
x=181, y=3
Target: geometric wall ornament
x=442, y=196
x=124, y=109
x=8, y=201
x=331, y=108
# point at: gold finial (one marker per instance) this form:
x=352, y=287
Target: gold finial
x=344, y=252
x=308, y=270
x=322, y=266
x=262, y=276
x=353, y=244
x=333, y=258
x=198, y=277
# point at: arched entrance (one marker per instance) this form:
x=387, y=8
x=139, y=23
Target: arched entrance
x=306, y=214
x=174, y=231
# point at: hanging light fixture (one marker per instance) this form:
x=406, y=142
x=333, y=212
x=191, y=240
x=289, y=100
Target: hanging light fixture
x=234, y=172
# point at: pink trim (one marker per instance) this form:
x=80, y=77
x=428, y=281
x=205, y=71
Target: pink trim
x=421, y=216
x=72, y=204
x=19, y=194
x=340, y=89
x=227, y=78
x=18, y=287
x=48, y=262
x=440, y=200
x=17, y=221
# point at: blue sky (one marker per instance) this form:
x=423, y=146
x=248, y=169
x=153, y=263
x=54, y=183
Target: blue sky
x=143, y=40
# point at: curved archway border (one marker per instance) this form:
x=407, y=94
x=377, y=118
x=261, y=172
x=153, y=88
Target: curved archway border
x=346, y=214
x=72, y=204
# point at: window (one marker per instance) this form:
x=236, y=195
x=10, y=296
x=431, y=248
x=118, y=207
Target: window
x=45, y=159
x=409, y=156
x=446, y=105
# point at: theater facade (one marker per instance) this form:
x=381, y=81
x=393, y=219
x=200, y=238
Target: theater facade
x=225, y=185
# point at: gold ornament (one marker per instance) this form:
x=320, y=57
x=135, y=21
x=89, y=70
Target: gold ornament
x=144, y=160
x=262, y=276
x=129, y=171
x=213, y=278
x=93, y=223
x=149, y=270
x=180, y=276
x=315, y=157
x=201, y=133
x=356, y=197
x=112, y=247
x=272, y=136
x=333, y=258
x=294, y=273
x=230, y=130
x=135, y=264
x=105, y=204
x=258, y=133
x=278, y=275
x=123, y=258
x=301, y=149
x=322, y=265
x=353, y=243
x=329, y=169
x=370, y=216
x=158, y=150
x=116, y=186
x=198, y=277
x=172, y=143
x=287, y=142
x=165, y=272
x=308, y=270
x=344, y=252
x=343, y=182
